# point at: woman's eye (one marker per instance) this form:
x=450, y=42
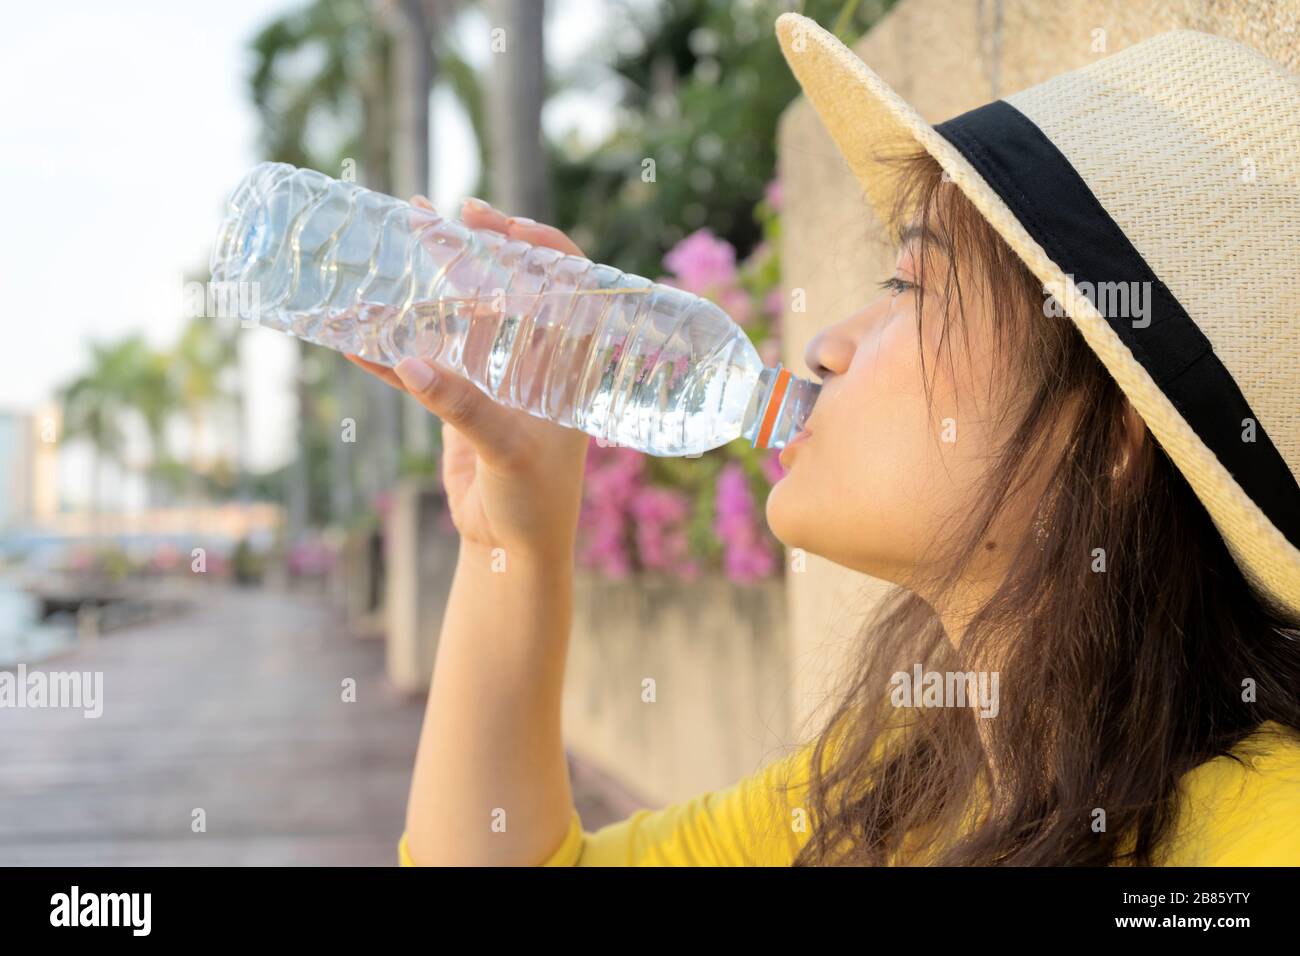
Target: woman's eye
x=894, y=285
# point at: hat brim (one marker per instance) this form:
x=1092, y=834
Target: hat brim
x=870, y=123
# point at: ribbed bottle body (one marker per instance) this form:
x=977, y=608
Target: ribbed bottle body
x=626, y=360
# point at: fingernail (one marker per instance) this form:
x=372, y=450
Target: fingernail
x=414, y=373
x=520, y=221
x=473, y=202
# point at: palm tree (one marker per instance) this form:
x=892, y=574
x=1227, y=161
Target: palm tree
x=124, y=377
x=205, y=353
x=349, y=87
x=373, y=65
x=89, y=413
x=152, y=392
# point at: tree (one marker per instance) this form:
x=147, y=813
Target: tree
x=205, y=354
x=362, y=70
x=125, y=377
x=519, y=178
x=703, y=85
x=345, y=92
x=151, y=391
x=92, y=406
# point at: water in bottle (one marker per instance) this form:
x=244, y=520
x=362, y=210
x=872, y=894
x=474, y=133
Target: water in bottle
x=627, y=360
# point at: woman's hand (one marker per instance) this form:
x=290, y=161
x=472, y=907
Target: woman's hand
x=513, y=481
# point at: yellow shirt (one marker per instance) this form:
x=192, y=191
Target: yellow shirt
x=1231, y=815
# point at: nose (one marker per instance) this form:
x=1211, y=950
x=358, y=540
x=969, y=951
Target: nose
x=830, y=351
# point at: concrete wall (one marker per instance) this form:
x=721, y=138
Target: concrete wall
x=419, y=560
x=717, y=655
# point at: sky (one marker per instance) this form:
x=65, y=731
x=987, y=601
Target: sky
x=123, y=127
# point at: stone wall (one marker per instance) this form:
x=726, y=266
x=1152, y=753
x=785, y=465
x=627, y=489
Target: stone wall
x=677, y=687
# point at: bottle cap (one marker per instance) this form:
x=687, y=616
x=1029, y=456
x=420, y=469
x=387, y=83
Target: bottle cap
x=783, y=403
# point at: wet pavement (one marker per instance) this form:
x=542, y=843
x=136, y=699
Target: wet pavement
x=225, y=739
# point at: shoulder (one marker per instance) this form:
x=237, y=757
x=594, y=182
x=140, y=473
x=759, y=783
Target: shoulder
x=758, y=820
x=1242, y=809
x=763, y=819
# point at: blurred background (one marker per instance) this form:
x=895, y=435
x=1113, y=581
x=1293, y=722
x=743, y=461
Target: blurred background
x=243, y=535
x=224, y=556
x=238, y=545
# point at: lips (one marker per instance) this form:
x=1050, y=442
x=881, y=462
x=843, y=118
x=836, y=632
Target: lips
x=786, y=456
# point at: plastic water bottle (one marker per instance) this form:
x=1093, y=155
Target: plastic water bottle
x=629, y=361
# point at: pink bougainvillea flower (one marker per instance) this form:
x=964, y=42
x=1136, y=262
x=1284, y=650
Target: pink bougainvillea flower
x=774, y=194
x=613, y=479
x=747, y=556
x=737, y=304
x=660, y=516
x=702, y=263
x=774, y=303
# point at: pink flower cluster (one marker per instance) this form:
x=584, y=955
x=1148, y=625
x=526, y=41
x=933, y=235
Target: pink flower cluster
x=628, y=524
x=747, y=556
x=703, y=263
x=612, y=478
x=774, y=194
x=310, y=556
x=631, y=520
x=166, y=557
x=660, y=516
x=706, y=265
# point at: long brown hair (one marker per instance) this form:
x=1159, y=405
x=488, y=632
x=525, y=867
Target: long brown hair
x=1114, y=682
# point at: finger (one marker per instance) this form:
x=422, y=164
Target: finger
x=540, y=234
x=458, y=401
x=379, y=371
x=479, y=215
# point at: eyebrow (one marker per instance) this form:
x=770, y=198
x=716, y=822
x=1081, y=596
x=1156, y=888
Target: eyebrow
x=925, y=233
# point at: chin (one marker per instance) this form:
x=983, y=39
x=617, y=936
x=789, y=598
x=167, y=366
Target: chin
x=799, y=520
x=786, y=518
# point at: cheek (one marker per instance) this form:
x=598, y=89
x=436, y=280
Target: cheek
x=846, y=484
x=884, y=448
x=883, y=472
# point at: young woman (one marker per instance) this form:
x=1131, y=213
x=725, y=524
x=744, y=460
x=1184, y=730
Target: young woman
x=1040, y=500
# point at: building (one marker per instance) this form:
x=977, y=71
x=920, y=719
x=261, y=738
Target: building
x=28, y=467
x=16, y=457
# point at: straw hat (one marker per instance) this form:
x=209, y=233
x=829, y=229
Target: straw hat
x=1156, y=195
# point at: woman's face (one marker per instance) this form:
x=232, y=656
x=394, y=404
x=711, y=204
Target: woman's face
x=878, y=476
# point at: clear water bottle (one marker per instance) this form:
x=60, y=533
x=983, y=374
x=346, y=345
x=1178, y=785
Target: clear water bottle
x=629, y=361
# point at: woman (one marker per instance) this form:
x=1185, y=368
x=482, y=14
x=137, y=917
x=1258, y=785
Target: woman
x=1049, y=480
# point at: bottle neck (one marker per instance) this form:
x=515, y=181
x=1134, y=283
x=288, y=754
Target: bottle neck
x=780, y=407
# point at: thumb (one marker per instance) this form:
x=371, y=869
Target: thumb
x=459, y=402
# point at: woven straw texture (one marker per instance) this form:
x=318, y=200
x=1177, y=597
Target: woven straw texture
x=1184, y=138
